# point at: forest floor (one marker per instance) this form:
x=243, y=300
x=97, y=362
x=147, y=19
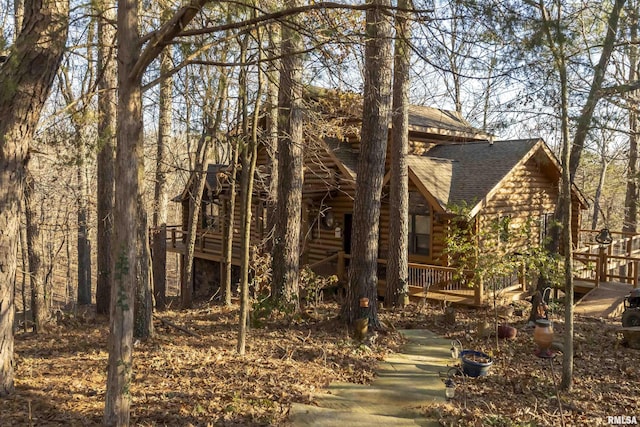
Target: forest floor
x=182, y=380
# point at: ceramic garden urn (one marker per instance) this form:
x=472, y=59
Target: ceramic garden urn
x=543, y=335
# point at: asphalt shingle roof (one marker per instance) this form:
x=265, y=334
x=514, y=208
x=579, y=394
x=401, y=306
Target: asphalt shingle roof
x=467, y=172
x=440, y=121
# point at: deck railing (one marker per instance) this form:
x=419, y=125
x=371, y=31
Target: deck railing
x=435, y=278
x=587, y=267
x=208, y=243
x=618, y=261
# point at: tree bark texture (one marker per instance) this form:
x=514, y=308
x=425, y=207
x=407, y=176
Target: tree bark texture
x=161, y=196
x=128, y=173
x=249, y=168
x=272, y=132
x=363, y=277
x=25, y=80
x=107, y=103
x=596, y=198
x=286, y=243
x=227, y=239
x=630, y=223
x=563, y=210
x=37, y=274
x=195, y=201
x=83, y=243
x=143, y=314
x=586, y=114
x=398, y=265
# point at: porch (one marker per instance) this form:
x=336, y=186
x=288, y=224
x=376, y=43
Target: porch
x=438, y=283
x=594, y=264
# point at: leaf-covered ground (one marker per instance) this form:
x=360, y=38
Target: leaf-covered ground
x=520, y=390
x=181, y=379
x=184, y=380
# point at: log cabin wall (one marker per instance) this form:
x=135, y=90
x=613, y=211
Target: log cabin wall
x=527, y=194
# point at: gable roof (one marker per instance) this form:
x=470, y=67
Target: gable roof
x=470, y=173
x=467, y=173
x=212, y=184
x=435, y=121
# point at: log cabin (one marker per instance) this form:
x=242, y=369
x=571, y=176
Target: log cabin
x=450, y=164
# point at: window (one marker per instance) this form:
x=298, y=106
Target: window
x=210, y=215
x=419, y=234
x=546, y=222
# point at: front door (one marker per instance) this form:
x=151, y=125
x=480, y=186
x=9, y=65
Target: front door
x=346, y=241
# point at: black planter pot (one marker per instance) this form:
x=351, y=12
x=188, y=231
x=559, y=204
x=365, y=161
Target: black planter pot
x=471, y=368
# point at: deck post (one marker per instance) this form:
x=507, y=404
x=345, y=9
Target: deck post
x=634, y=267
x=173, y=237
x=603, y=266
x=523, y=276
x=340, y=265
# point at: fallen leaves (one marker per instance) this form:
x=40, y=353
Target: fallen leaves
x=186, y=380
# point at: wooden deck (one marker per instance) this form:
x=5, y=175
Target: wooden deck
x=603, y=274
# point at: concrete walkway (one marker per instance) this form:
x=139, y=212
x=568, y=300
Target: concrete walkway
x=404, y=382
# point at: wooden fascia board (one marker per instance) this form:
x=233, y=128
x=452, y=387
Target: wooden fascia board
x=574, y=188
x=427, y=195
x=450, y=133
x=482, y=203
x=185, y=192
x=336, y=160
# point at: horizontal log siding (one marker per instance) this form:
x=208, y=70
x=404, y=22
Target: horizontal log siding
x=325, y=243
x=439, y=229
x=526, y=195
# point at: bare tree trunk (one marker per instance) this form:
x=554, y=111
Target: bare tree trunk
x=230, y=210
x=212, y=127
x=567, y=244
x=248, y=170
x=18, y=15
x=25, y=270
x=630, y=223
x=195, y=201
x=69, y=274
x=127, y=265
x=363, y=277
x=84, y=246
x=572, y=151
x=24, y=93
x=227, y=239
x=143, y=314
x=272, y=133
x=398, y=259
x=107, y=82
x=35, y=254
x=128, y=185
x=586, y=114
x=596, y=198
x=286, y=243
x=160, y=194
